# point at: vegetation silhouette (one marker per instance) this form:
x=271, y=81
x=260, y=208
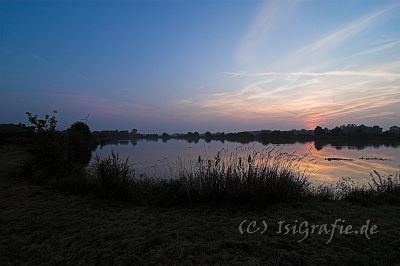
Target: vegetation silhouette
x=351, y=133
x=55, y=155
x=47, y=149
x=248, y=177
x=239, y=180
x=80, y=143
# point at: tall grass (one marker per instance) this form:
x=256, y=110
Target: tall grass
x=243, y=176
x=113, y=177
x=379, y=189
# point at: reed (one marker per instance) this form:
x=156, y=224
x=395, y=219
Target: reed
x=244, y=176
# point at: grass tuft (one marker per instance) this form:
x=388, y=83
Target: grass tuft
x=245, y=176
x=379, y=189
x=113, y=177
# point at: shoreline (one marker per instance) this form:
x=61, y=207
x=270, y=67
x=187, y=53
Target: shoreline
x=41, y=225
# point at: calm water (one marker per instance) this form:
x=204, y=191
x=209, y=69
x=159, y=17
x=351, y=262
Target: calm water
x=160, y=158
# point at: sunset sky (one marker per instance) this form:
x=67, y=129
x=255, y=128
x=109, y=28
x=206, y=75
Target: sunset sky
x=175, y=66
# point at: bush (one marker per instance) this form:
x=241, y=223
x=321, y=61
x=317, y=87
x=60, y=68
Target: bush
x=79, y=142
x=57, y=156
x=48, y=159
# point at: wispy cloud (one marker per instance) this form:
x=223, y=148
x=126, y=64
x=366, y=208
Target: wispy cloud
x=377, y=48
x=308, y=98
x=344, y=33
x=338, y=73
x=265, y=22
x=303, y=56
x=308, y=93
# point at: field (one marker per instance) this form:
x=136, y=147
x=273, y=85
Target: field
x=40, y=225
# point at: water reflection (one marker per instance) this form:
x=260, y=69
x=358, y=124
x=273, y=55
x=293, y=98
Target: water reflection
x=159, y=157
x=318, y=144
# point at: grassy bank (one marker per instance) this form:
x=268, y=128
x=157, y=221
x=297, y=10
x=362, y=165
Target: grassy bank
x=40, y=225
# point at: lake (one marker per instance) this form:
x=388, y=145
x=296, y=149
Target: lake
x=160, y=158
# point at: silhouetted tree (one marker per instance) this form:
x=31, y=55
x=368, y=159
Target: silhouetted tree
x=394, y=131
x=318, y=131
x=79, y=138
x=207, y=134
x=336, y=132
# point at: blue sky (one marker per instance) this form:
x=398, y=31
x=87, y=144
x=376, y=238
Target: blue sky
x=201, y=65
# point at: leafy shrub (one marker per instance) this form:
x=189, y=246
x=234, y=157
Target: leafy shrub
x=58, y=156
x=48, y=159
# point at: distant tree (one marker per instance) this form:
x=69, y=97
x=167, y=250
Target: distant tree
x=394, y=130
x=318, y=131
x=362, y=130
x=207, y=134
x=377, y=130
x=349, y=130
x=336, y=132
x=165, y=137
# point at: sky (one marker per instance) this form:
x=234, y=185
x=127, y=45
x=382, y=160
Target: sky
x=177, y=66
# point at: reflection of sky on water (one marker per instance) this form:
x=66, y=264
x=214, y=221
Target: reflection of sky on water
x=160, y=158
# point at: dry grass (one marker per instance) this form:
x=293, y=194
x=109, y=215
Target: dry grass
x=242, y=177
x=379, y=189
x=245, y=176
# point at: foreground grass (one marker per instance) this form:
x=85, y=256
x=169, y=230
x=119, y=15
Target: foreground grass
x=40, y=225
x=242, y=177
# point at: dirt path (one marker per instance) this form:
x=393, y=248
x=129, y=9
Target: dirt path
x=42, y=226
